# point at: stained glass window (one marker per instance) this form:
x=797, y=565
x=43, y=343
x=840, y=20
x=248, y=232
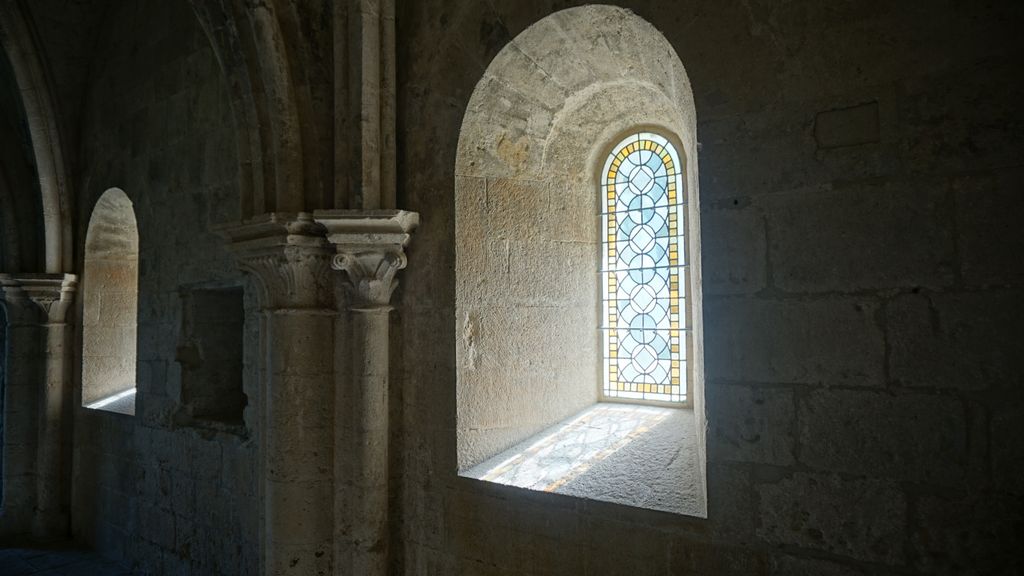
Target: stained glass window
x=643, y=274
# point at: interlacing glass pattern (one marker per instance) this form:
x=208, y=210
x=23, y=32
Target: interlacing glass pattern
x=643, y=276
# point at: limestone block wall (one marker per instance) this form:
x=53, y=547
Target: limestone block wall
x=3, y=383
x=20, y=230
x=164, y=498
x=211, y=354
x=530, y=287
x=860, y=181
x=18, y=472
x=20, y=421
x=109, y=329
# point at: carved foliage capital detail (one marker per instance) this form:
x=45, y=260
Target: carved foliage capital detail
x=38, y=297
x=290, y=276
x=370, y=275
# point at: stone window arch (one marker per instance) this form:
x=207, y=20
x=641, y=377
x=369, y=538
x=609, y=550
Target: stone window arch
x=528, y=225
x=110, y=305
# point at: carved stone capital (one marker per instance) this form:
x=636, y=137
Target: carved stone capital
x=370, y=250
x=41, y=298
x=370, y=276
x=288, y=255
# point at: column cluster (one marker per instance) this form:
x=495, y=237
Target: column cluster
x=324, y=382
x=39, y=351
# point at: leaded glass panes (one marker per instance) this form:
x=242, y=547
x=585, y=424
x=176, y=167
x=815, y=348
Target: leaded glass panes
x=643, y=274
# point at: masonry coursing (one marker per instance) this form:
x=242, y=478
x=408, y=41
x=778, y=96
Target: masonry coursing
x=861, y=178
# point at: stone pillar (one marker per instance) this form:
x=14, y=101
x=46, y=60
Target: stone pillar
x=290, y=261
x=37, y=306
x=370, y=250
x=365, y=104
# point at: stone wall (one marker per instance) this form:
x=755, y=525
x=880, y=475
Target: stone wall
x=3, y=388
x=860, y=171
x=164, y=498
x=20, y=228
x=23, y=356
x=860, y=177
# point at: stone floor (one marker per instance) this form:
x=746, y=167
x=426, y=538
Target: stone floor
x=56, y=560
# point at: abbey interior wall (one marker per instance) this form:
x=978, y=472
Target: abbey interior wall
x=860, y=176
x=860, y=179
x=164, y=498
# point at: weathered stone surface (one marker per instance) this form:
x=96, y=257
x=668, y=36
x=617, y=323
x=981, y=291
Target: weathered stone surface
x=968, y=341
x=861, y=237
x=989, y=208
x=145, y=136
x=1007, y=452
x=847, y=126
x=962, y=120
x=691, y=556
x=796, y=566
x=501, y=410
x=734, y=251
x=977, y=534
x=879, y=435
x=860, y=519
x=779, y=153
x=732, y=502
x=853, y=154
x=834, y=341
x=109, y=333
x=759, y=142
x=753, y=424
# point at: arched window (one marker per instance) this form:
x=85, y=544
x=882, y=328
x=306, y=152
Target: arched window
x=644, y=276
x=110, y=305
x=578, y=153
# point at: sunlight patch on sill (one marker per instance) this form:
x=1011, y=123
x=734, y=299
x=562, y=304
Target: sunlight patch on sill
x=564, y=452
x=121, y=403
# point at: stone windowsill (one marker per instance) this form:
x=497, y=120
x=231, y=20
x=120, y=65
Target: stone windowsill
x=121, y=403
x=643, y=456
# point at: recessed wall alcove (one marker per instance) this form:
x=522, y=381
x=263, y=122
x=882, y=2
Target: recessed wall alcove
x=538, y=129
x=210, y=353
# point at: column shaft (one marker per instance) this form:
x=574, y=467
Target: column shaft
x=287, y=256
x=367, y=461
x=21, y=414
x=38, y=376
x=370, y=250
x=298, y=437
x=51, y=518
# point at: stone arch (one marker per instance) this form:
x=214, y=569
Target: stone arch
x=110, y=301
x=278, y=146
x=19, y=42
x=20, y=237
x=534, y=138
